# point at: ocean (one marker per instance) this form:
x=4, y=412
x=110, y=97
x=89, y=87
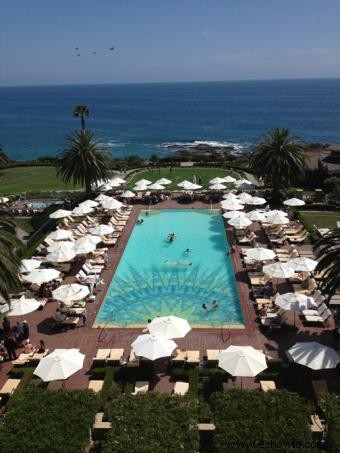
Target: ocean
x=160, y=118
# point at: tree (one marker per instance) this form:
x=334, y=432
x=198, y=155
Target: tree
x=82, y=112
x=3, y=157
x=328, y=255
x=9, y=255
x=83, y=161
x=279, y=159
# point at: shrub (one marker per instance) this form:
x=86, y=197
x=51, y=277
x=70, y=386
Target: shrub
x=331, y=406
x=152, y=423
x=243, y=415
x=42, y=421
x=332, y=184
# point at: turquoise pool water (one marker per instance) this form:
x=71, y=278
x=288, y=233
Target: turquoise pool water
x=154, y=276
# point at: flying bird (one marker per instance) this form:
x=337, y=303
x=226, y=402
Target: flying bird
x=78, y=54
x=77, y=48
x=94, y=53
x=111, y=48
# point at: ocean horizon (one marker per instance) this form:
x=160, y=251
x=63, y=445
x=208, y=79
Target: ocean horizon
x=162, y=118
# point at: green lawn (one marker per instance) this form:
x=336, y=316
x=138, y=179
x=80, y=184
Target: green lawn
x=179, y=174
x=30, y=179
x=322, y=219
x=24, y=224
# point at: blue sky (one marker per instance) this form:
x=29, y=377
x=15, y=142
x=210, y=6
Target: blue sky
x=173, y=40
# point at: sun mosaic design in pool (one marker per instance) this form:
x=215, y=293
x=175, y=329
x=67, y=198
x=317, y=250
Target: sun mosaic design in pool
x=159, y=277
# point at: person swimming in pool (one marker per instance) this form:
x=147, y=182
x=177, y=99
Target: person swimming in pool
x=177, y=263
x=186, y=251
x=171, y=237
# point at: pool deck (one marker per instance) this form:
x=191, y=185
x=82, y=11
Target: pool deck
x=89, y=339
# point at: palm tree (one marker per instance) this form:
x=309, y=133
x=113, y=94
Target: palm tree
x=3, y=157
x=84, y=161
x=82, y=112
x=279, y=159
x=9, y=255
x=328, y=254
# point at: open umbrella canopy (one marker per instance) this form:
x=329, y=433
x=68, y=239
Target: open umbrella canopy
x=61, y=245
x=242, y=361
x=229, y=179
x=229, y=196
x=101, y=229
x=84, y=245
x=81, y=211
x=233, y=214
x=141, y=188
x=60, y=214
x=294, y=301
x=260, y=254
x=153, y=346
x=256, y=201
x=218, y=186
x=60, y=364
x=278, y=218
x=256, y=216
x=240, y=222
x=187, y=185
x=156, y=186
x=143, y=182
x=59, y=235
x=303, y=264
x=22, y=306
x=104, y=187
x=29, y=265
x=244, y=196
x=217, y=180
x=294, y=202
x=314, y=355
x=128, y=194
x=243, y=183
x=117, y=180
x=101, y=197
x=61, y=256
x=70, y=293
x=4, y=199
x=232, y=205
x=111, y=203
x=169, y=327
x=164, y=181
x=279, y=270
x=89, y=203
x=40, y=276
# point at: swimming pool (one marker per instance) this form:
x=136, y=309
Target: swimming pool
x=159, y=277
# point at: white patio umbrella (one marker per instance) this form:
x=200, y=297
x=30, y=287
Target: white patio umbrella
x=153, y=346
x=60, y=214
x=141, y=188
x=314, y=355
x=256, y=201
x=143, y=182
x=232, y=205
x=278, y=270
x=40, y=276
x=218, y=186
x=29, y=265
x=104, y=187
x=233, y=214
x=244, y=196
x=187, y=185
x=294, y=301
x=60, y=364
x=81, y=211
x=61, y=245
x=156, y=186
x=229, y=196
x=240, y=222
x=260, y=254
x=128, y=194
x=229, y=179
x=89, y=203
x=70, y=293
x=164, y=181
x=242, y=361
x=101, y=197
x=61, y=255
x=22, y=306
x=217, y=180
x=101, y=229
x=278, y=218
x=243, y=182
x=303, y=264
x=294, y=202
x=256, y=216
x=117, y=180
x=111, y=203
x=59, y=235
x=169, y=327
x=4, y=200
x=83, y=246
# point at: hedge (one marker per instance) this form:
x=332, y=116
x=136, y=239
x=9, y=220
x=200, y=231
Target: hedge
x=243, y=415
x=152, y=423
x=330, y=403
x=40, y=421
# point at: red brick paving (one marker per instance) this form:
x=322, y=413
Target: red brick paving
x=89, y=339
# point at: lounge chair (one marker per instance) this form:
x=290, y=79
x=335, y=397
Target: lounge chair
x=193, y=357
x=267, y=386
x=315, y=311
x=9, y=387
x=179, y=356
x=181, y=388
x=319, y=319
x=213, y=355
x=95, y=385
x=133, y=361
x=101, y=356
x=116, y=356
x=141, y=387
x=300, y=239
